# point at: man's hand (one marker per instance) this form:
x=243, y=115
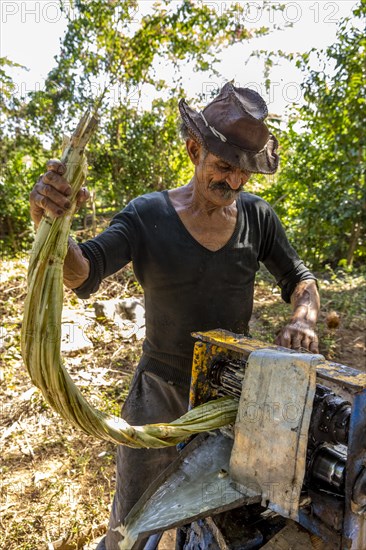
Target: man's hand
x=300, y=332
x=52, y=192
x=298, y=335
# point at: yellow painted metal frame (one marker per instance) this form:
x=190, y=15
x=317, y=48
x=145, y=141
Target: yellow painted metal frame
x=220, y=343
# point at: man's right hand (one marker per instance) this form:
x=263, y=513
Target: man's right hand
x=52, y=192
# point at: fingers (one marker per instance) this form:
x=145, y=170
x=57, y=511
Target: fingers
x=56, y=181
x=82, y=197
x=284, y=339
x=306, y=341
x=51, y=197
x=298, y=338
x=296, y=341
x=309, y=341
x=55, y=165
x=52, y=192
x=314, y=345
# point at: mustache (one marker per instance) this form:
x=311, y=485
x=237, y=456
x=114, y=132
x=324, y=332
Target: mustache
x=225, y=188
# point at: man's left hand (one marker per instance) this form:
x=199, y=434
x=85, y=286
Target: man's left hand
x=298, y=335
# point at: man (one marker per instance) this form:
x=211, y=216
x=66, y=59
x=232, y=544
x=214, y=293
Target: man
x=195, y=251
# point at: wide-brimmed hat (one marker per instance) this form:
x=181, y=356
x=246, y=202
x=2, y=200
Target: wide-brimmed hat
x=232, y=128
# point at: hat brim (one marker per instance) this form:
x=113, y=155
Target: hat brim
x=264, y=161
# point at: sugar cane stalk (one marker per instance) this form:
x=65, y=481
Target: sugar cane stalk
x=41, y=332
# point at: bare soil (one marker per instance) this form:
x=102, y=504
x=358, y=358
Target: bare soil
x=56, y=482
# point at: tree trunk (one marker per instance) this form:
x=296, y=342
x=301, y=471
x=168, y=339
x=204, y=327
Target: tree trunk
x=94, y=212
x=12, y=234
x=356, y=232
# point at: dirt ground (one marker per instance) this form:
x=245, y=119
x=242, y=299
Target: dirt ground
x=56, y=482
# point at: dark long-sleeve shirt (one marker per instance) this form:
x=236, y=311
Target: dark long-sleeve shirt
x=188, y=287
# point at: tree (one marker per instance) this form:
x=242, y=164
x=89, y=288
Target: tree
x=111, y=47
x=320, y=191
x=138, y=152
x=112, y=44
x=22, y=158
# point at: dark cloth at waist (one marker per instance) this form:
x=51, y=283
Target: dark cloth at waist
x=171, y=368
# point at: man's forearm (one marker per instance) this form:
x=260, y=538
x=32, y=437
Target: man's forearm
x=76, y=266
x=305, y=302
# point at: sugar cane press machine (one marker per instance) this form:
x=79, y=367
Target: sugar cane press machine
x=209, y=478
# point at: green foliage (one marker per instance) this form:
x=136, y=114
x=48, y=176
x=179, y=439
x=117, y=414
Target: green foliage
x=8, y=103
x=138, y=153
x=110, y=47
x=320, y=191
x=112, y=44
x=109, y=54
x=22, y=162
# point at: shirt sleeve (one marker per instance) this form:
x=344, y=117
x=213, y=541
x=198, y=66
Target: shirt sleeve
x=110, y=251
x=280, y=258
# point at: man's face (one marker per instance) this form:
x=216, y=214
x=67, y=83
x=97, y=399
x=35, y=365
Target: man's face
x=217, y=181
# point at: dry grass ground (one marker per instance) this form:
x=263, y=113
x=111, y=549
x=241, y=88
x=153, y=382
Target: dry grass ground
x=57, y=483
